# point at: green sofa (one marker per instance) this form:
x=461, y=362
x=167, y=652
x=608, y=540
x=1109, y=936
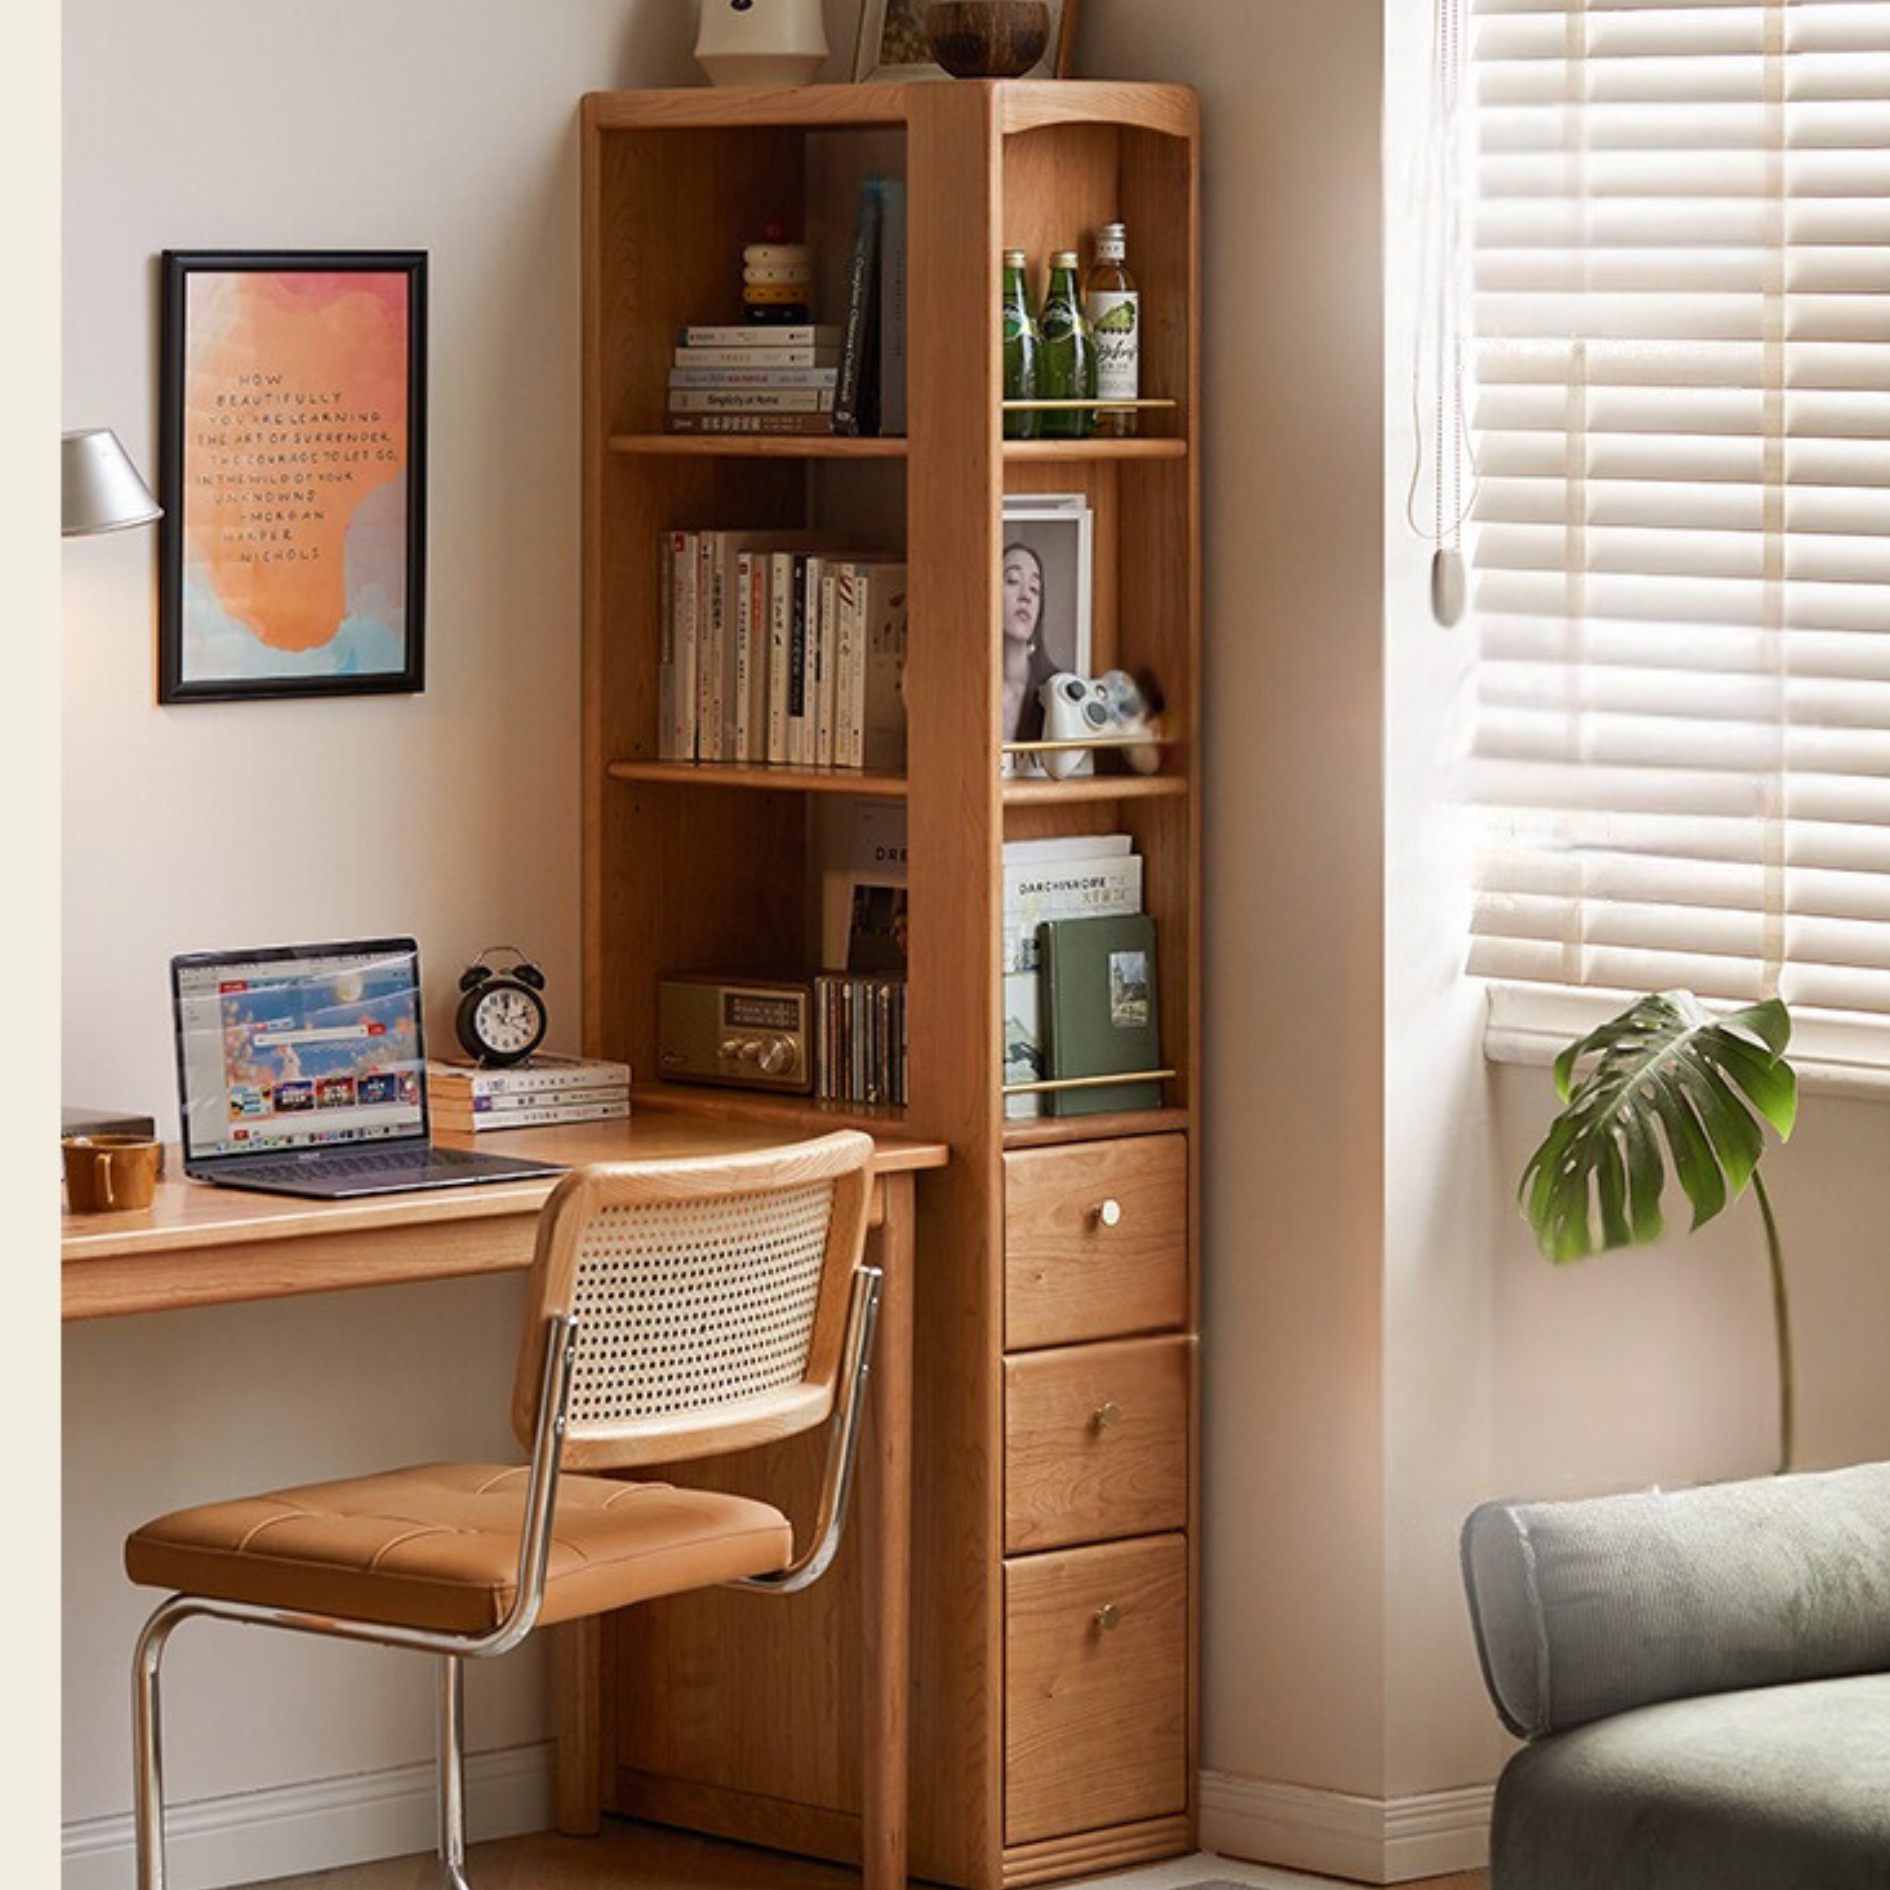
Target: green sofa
x=1702, y=1680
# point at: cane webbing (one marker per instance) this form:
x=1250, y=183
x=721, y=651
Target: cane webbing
x=681, y=1305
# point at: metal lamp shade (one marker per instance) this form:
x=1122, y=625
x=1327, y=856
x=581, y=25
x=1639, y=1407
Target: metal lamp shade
x=100, y=487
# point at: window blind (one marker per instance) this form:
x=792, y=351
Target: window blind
x=1680, y=295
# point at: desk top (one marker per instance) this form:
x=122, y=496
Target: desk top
x=198, y=1245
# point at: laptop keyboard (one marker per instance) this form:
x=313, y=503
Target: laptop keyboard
x=359, y=1167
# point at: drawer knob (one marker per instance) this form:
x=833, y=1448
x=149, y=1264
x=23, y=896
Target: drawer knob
x=1108, y=1617
x=1109, y=1213
x=1108, y=1413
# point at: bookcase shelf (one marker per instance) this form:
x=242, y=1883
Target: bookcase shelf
x=757, y=446
x=761, y=776
x=1044, y=1748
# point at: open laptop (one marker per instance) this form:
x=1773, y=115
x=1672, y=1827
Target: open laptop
x=301, y=1069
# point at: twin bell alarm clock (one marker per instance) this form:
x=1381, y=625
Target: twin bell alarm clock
x=501, y=1017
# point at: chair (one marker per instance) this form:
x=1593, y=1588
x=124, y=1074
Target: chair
x=676, y=1309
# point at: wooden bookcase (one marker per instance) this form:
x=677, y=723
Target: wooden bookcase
x=1055, y=1430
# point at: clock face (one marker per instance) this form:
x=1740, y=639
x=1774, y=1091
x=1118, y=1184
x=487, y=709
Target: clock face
x=508, y=1020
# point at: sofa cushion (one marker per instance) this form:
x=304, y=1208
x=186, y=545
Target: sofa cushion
x=1587, y=1608
x=1778, y=1788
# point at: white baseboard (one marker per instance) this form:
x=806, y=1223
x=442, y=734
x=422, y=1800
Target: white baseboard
x=1335, y=1834
x=253, y=1836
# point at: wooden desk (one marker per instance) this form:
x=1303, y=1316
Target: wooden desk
x=202, y=1246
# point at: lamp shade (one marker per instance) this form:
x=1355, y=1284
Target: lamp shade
x=100, y=490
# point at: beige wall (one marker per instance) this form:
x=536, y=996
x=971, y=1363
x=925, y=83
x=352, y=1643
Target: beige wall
x=1382, y=1345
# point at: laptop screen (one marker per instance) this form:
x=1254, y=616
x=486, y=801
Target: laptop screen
x=294, y=1047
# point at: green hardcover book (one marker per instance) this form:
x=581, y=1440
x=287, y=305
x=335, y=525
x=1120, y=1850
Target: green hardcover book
x=1099, y=1010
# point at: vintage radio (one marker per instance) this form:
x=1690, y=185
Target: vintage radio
x=754, y=1033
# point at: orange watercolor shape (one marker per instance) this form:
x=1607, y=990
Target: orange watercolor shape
x=297, y=412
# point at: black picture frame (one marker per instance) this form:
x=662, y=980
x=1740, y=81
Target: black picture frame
x=292, y=469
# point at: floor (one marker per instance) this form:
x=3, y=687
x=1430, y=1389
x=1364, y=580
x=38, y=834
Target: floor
x=635, y=1857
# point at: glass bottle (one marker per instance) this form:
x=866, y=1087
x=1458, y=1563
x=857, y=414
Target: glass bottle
x=1023, y=349
x=1069, y=352
x=1113, y=307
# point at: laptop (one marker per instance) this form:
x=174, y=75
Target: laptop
x=301, y=1069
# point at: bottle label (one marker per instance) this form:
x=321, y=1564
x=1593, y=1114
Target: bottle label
x=1059, y=320
x=1115, y=320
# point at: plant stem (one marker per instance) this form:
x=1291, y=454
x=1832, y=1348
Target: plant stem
x=1781, y=1325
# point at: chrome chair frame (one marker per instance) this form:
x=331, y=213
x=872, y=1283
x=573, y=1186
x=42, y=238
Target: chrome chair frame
x=535, y=1539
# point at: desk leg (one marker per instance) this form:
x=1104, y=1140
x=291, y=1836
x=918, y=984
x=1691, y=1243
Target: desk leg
x=577, y=1670
x=887, y=1555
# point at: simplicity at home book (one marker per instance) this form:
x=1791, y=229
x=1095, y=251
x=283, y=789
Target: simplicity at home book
x=1099, y=1008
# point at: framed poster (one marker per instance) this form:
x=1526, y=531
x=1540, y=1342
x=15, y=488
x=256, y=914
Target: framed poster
x=292, y=552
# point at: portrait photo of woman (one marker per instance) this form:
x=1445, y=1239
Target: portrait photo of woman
x=1044, y=607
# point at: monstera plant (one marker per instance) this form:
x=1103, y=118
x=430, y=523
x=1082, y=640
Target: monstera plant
x=1664, y=1081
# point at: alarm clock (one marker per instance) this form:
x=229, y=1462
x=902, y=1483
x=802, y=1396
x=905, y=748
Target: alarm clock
x=502, y=1013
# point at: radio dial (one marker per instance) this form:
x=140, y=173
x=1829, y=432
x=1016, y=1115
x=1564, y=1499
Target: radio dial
x=777, y=1057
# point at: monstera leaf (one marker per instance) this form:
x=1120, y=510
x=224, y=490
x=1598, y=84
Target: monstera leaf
x=1666, y=1072
x=1668, y=1080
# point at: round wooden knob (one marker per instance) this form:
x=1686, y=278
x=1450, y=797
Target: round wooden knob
x=1109, y=1213
x=1108, y=1617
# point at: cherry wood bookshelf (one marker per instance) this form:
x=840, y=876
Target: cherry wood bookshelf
x=1053, y=1702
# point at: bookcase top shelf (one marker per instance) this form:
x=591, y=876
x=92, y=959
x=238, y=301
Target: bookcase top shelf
x=1015, y=104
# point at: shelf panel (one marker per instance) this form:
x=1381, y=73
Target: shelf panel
x=1133, y=448
x=757, y=774
x=759, y=445
x=768, y=1105
x=1029, y=1131
x=1095, y=787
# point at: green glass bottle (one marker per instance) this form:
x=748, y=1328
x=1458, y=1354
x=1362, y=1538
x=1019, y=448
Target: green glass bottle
x=1069, y=351
x=1023, y=349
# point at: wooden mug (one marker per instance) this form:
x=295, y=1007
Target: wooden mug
x=109, y=1173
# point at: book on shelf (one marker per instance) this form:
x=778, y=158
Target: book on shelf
x=856, y=397
x=719, y=360
x=738, y=378
x=873, y=667
x=892, y=307
x=1075, y=876
x=751, y=399
x=758, y=335
x=857, y=849
x=1100, y=1012
x=789, y=423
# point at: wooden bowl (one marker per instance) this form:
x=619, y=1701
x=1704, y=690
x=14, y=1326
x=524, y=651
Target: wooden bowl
x=987, y=39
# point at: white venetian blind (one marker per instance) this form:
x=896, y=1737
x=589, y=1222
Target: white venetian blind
x=1681, y=538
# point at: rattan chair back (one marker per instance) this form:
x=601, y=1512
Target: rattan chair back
x=710, y=1299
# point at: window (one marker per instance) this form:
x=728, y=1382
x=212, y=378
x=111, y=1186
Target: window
x=1681, y=546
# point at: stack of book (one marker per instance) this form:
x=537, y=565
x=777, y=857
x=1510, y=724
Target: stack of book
x=1076, y=876
x=752, y=377
x=537, y=1093
x=780, y=647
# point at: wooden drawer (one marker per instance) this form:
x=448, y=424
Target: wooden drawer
x=1095, y=1240
x=1095, y=1442
x=1095, y=1687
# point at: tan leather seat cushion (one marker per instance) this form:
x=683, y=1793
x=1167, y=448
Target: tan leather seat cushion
x=436, y=1546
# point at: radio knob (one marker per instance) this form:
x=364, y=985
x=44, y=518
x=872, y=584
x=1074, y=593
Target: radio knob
x=777, y=1057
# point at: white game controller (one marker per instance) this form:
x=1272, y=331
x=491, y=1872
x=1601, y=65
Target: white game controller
x=1106, y=709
